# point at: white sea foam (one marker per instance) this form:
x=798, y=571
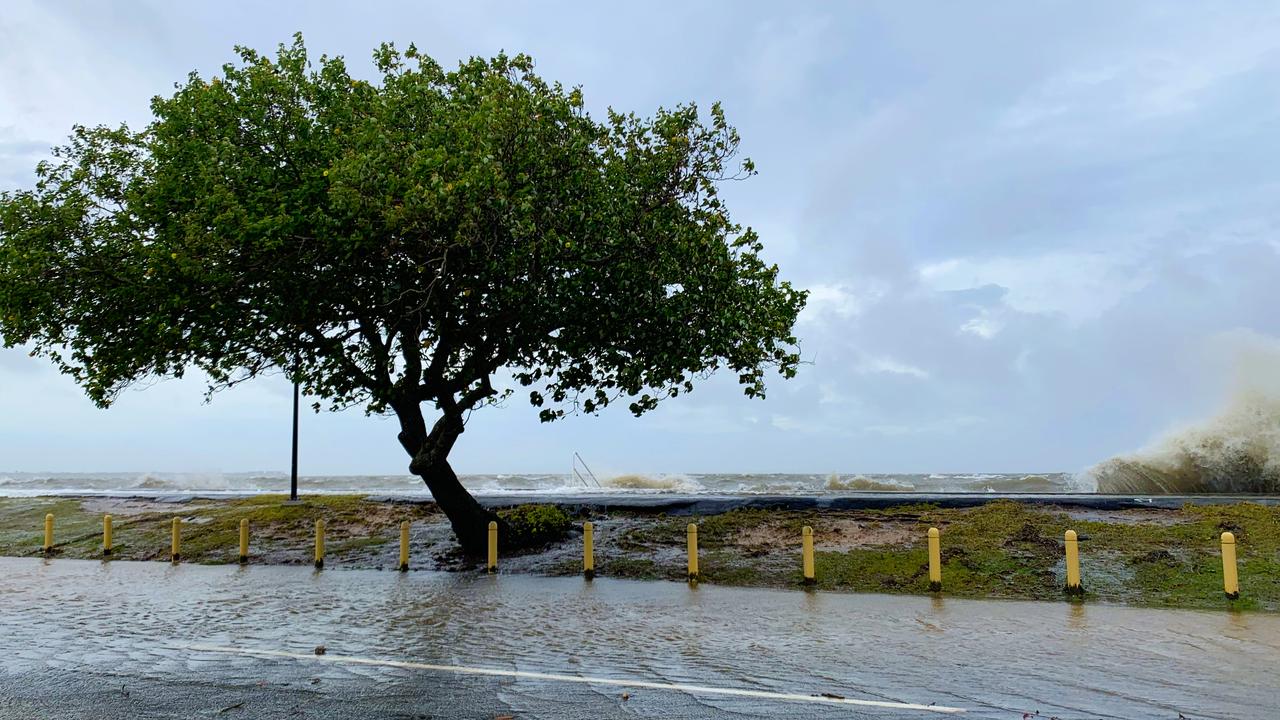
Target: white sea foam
x=1236, y=450
x=660, y=483
x=533, y=484
x=862, y=483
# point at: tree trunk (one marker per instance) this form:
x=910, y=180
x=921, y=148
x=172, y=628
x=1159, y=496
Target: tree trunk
x=430, y=452
x=470, y=521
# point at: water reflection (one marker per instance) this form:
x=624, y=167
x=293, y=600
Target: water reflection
x=812, y=601
x=1237, y=623
x=1076, y=616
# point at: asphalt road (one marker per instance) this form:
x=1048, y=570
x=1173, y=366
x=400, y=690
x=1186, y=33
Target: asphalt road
x=82, y=639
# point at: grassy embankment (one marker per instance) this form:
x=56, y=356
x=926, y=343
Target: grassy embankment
x=280, y=534
x=1003, y=549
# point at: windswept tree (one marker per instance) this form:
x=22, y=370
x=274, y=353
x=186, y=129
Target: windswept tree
x=427, y=240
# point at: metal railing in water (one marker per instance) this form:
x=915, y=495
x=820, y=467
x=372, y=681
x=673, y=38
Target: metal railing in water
x=583, y=479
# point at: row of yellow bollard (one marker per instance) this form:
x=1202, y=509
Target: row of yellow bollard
x=1073, y=587
x=175, y=543
x=175, y=548
x=588, y=549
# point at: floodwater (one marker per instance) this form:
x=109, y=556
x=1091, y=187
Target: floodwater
x=993, y=659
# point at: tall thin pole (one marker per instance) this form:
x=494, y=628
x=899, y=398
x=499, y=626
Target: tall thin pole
x=293, y=473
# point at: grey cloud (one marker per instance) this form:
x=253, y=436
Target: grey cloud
x=1025, y=225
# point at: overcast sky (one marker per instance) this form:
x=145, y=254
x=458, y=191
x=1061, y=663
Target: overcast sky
x=1031, y=233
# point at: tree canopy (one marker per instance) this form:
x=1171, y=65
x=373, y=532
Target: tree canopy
x=429, y=237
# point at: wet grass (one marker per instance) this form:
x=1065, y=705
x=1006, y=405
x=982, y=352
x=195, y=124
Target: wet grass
x=1166, y=564
x=1002, y=549
x=22, y=524
x=210, y=531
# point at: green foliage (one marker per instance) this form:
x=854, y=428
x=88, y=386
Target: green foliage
x=534, y=525
x=396, y=242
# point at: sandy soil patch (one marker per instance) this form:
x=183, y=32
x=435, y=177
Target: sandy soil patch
x=836, y=534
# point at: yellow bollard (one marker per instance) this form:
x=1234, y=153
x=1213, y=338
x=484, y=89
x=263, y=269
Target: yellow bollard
x=176, y=543
x=106, y=536
x=1230, y=580
x=806, y=552
x=493, y=547
x=404, y=546
x=1073, y=565
x=588, y=551
x=935, y=560
x=692, y=534
x=244, y=541
x=319, y=544
x=48, y=534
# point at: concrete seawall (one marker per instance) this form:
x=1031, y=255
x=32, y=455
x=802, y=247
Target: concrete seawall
x=712, y=504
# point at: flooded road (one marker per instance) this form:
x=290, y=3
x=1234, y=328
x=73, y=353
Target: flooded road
x=90, y=639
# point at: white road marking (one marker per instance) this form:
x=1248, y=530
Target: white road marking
x=496, y=672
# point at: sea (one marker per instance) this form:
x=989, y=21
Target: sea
x=26, y=484
x=1236, y=451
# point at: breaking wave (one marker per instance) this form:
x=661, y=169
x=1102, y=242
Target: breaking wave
x=1024, y=484
x=1236, y=451
x=861, y=483
x=664, y=483
x=533, y=484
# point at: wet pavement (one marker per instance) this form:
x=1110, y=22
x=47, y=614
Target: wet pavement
x=150, y=640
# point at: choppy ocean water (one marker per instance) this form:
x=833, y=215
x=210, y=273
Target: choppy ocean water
x=30, y=484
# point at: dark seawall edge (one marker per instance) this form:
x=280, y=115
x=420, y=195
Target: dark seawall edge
x=676, y=504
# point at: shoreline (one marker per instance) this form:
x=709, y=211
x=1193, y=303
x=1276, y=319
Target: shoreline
x=1136, y=551
x=714, y=503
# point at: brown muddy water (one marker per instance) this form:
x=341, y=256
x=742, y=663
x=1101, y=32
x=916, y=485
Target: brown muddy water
x=993, y=659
